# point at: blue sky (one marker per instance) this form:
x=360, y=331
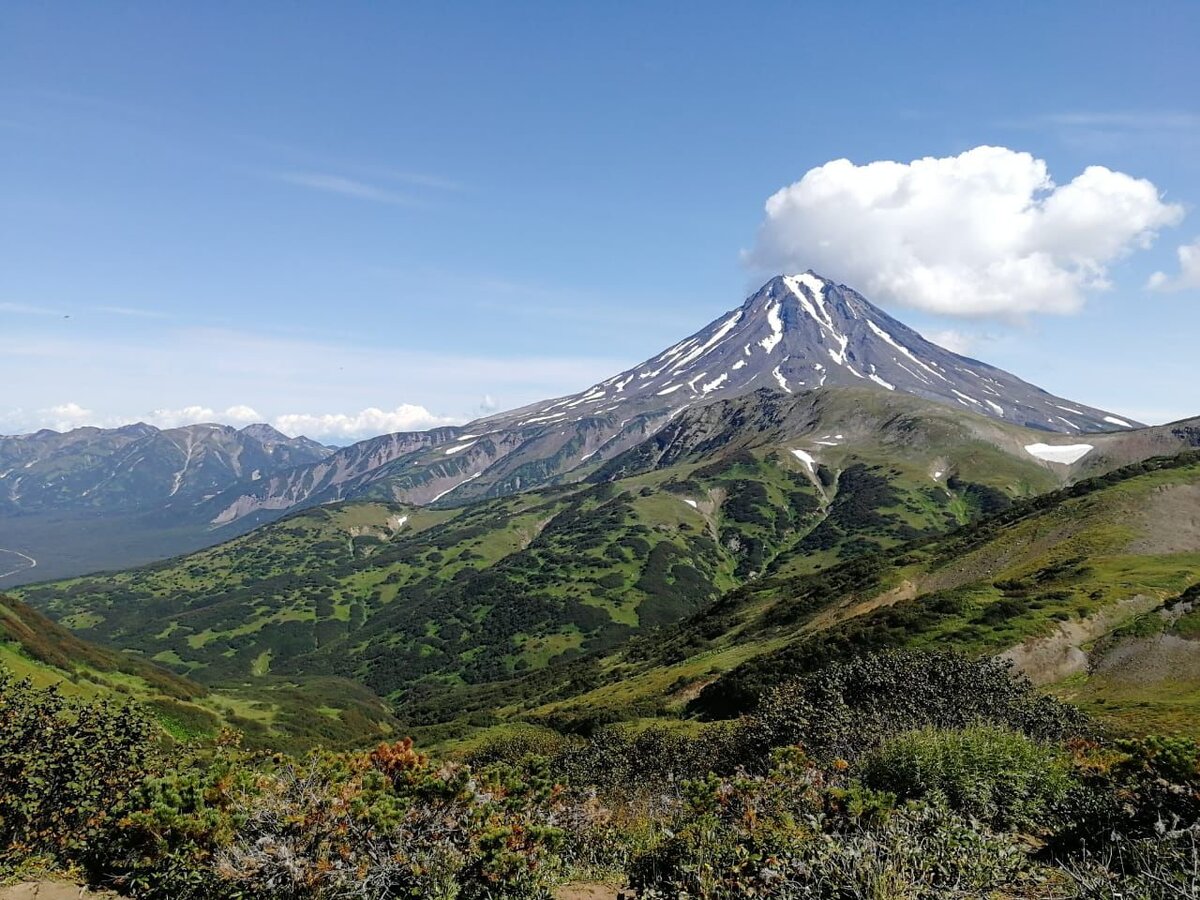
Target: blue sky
x=310, y=210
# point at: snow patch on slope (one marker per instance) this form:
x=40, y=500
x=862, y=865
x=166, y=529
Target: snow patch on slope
x=1064, y=453
x=455, y=488
x=806, y=458
x=771, y=341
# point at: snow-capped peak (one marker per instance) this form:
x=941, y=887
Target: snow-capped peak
x=803, y=332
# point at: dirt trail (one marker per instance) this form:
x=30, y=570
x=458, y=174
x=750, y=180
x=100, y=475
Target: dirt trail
x=52, y=890
x=29, y=562
x=580, y=891
x=906, y=590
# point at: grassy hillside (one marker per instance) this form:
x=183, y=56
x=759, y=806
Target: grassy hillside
x=293, y=715
x=412, y=602
x=748, y=513
x=1091, y=590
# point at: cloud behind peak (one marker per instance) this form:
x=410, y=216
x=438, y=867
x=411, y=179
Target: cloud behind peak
x=984, y=233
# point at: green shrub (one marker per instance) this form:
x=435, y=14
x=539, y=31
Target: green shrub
x=520, y=746
x=1134, y=790
x=1172, y=757
x=848, y=708
x=791, y=834
x=618, y=758
x=992, y=774
x=381, y=824
x=64, y=766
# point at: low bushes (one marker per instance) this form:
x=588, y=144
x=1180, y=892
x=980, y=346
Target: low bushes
x=932, y=798
x=848, y=708
x=798, y=831
x=383, y=824
x=64, y=767
x=991, y=774
x=86, y=785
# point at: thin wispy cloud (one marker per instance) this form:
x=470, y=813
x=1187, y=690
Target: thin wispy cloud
x=1159, y=120
x=416, y=179
x=1105, y=130
x=26, y=309
x=132, y=312
x=346, y=187
x=294, y=158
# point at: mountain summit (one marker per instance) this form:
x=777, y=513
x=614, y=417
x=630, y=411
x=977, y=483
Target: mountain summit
x=802, y=332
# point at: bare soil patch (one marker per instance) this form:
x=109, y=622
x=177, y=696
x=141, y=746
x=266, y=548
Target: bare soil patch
x=52, y=890
x=906, y=590
x=1152, y=660
x=1060, y=654
x=586, y=891
x=1170, y=521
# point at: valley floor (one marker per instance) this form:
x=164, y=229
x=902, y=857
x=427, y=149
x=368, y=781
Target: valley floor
x=14, y=558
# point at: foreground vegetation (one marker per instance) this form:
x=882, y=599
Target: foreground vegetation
x=897, y=775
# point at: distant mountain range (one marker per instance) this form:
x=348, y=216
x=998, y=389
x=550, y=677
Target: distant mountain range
x=96, y=498
x=140, y=468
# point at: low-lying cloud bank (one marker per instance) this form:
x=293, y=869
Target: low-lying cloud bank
x=332, y=427
x=371, y=421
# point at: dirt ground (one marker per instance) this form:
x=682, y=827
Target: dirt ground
x=1060, y=654
x=1170, y=521
x=580, y=891
x=51, y=890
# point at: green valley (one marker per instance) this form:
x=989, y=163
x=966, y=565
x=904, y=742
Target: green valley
x=412, y=602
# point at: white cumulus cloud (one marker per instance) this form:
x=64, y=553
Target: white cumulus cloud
x=66, y=416
x=368, y=422
x=1188, y=278
x=984, y=233
x=192, y=415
